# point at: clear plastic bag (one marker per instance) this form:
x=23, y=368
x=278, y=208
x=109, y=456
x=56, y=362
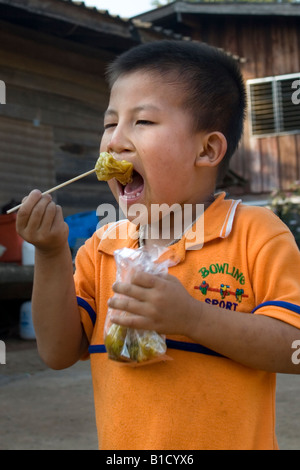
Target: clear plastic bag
x=129, y=345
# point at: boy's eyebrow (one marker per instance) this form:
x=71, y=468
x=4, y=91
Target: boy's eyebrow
x=110, y=112
x=143, y=107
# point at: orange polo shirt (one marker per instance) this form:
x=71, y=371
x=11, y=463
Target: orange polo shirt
x=249, y=263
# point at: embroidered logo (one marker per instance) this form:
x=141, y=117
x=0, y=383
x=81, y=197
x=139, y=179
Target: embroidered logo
x=223, y=290
x=229, y=297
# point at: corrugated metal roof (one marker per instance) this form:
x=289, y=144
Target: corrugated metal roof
x=83, y=25
x=93, y=8
x=233, y=7
x=93, y=26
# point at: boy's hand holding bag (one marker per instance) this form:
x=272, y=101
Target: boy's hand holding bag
x=128, y=345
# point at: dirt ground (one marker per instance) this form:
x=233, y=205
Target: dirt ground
x=42, y=409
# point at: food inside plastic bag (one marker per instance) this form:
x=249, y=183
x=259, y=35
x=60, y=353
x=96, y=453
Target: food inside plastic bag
x=126, y=344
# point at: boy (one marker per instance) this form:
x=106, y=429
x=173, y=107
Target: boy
x=229, y=308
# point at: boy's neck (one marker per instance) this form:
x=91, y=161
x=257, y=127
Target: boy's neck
x=171, y=227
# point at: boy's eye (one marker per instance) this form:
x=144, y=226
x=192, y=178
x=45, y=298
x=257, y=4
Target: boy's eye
x=109, y=125
x=144, y=122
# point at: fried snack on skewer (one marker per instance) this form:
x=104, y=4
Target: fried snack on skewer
x=108, y=167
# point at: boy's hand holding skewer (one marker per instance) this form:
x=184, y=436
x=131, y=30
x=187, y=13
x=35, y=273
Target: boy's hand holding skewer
x=40, y=221
x=106, y=168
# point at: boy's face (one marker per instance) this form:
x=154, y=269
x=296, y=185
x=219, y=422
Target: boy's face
x=146, y=124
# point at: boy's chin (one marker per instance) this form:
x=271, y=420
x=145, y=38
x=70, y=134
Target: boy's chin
x=137, y=214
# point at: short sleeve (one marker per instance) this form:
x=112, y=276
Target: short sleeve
x=276, y=274
x=84, y=278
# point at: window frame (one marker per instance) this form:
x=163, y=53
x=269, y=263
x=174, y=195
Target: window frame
x=277, y=104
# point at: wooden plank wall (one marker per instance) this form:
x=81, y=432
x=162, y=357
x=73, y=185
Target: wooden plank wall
x=271, y=47
x=22, y=168
x=53, y=85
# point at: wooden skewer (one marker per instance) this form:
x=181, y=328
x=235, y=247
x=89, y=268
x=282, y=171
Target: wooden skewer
x=57, y=187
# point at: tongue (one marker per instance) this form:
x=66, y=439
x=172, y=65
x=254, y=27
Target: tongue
x=136, y=184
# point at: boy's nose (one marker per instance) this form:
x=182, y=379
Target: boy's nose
x=119, y=141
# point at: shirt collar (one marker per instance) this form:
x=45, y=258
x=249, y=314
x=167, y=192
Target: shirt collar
x=215, y=222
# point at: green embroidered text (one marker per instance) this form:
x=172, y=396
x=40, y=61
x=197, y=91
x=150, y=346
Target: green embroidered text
x=223, y=269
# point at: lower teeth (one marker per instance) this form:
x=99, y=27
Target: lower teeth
x=132, y=197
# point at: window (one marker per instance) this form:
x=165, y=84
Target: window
x=274, y=105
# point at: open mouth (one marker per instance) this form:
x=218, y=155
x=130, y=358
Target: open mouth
x=132, y=190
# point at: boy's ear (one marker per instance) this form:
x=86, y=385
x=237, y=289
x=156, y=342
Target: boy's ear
x=213, y=149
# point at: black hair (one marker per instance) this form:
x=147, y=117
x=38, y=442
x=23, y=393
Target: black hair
x=211, y=79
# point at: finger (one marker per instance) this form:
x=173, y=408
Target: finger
x=26, y=208
x=126, y=304
x=168, y=277
x=130, y=290
x=38, y=212
x=59, y=225
x=143, y=279
x=33, y=196
x=28, y=202
x=48, y=217
x=130, y=320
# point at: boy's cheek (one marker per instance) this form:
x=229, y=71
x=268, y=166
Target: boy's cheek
x=103, y=142
x=113, y=186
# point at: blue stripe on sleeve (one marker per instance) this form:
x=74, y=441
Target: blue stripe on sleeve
x=97, y=348
x=84, y=304
x=287, y=305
